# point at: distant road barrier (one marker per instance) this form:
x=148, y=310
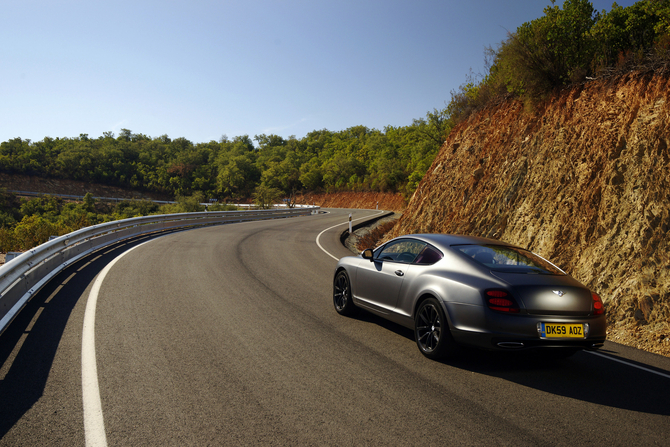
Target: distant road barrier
x=120, y=199
x=25, y=275
x=72, y=197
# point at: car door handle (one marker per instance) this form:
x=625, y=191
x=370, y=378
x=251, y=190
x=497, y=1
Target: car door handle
x=399, y=272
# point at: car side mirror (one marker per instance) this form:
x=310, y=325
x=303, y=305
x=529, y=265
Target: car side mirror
x=367, y=254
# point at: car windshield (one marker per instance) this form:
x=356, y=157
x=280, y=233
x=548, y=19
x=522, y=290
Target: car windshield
x=509, y=259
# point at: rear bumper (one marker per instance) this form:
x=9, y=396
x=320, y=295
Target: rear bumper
x=511, y=342
x=480, y=327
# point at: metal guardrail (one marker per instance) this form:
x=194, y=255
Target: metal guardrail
x=25, y=275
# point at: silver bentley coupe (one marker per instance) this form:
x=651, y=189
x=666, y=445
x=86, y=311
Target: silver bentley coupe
x=461, y=290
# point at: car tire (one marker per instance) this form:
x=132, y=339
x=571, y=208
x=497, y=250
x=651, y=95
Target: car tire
x=342, y=301
x=431, y=331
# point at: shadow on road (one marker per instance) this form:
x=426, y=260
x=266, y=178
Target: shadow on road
x=584, y=376
x=37, y=331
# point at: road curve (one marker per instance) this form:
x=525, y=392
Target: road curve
x=226, y=336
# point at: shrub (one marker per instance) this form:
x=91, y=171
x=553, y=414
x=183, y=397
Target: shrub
x=567, y=46
x=548, y=52
x=35, y=230
x=7, y=241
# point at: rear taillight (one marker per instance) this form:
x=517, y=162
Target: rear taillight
x=501, y=301
x=598, y=307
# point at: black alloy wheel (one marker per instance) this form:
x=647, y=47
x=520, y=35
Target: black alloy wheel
x=342, y=294
x=432, y=331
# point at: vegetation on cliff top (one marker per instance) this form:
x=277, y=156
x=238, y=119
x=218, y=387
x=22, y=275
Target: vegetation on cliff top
x=568, y=46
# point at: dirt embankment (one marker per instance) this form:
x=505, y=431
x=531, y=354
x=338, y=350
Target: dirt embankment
x=584, y=181
x=358, y=200
x=18, y=182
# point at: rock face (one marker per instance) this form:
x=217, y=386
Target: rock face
x=359, y=200
x=583, y=180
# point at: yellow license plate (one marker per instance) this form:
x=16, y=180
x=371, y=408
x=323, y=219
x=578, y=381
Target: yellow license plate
x=551, y=330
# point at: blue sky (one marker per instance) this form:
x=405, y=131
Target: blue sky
x=202, y=69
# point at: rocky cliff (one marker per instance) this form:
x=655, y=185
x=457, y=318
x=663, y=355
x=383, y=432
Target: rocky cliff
x=583, y=179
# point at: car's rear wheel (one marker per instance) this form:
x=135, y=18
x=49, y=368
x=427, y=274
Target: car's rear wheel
x=342, y=294
x=432, y=331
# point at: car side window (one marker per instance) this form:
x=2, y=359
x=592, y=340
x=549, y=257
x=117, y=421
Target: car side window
x=428, y=256
x=404, y=250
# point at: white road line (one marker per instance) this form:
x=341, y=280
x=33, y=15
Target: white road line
x=667, y=376
x=330, y=228
x=94, y=424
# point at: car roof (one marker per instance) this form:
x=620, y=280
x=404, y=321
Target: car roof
x=443, y=241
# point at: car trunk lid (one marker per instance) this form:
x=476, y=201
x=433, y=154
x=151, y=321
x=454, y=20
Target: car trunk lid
x=549, y=294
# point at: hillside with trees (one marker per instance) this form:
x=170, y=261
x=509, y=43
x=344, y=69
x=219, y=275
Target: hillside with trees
x=355, y=159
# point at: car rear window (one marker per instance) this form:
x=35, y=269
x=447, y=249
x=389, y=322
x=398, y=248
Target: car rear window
x=509, y=259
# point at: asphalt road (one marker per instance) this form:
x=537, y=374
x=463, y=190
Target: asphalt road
x=227, y=336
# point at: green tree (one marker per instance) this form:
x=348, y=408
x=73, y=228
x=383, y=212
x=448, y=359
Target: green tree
x=237, y=175
x=9, y=209
x=265, y=196
x=283, y=175
x=311, y=175
x=629, y=32
x=35, y=230
x=89, y=202
x=342, y=171
x=548, y=52
x=435, y=127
